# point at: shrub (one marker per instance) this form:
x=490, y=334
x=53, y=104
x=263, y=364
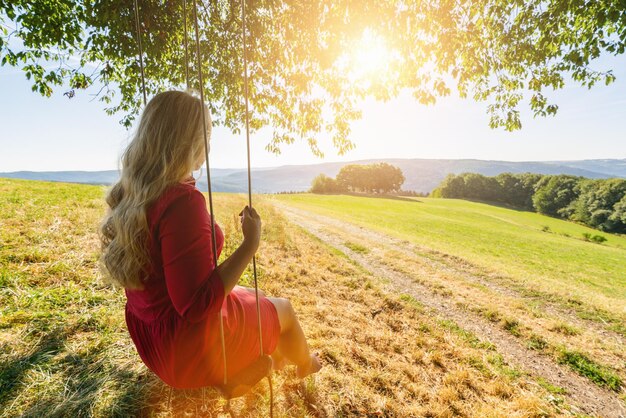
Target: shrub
x=598, y=238
x=593, y=238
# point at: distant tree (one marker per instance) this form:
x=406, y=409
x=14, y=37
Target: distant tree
x=350, y=178
x=527, y=189
x=517, y=189
x=452, y=187
x=371, y=178
x=481, y=187
x=596, y=205
x=474, y=184
x=324, y=184
x=554, y=194
x=384, y=178
x=618, y=217
x=509, y=184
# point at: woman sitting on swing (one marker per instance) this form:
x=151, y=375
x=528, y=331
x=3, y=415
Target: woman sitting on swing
x=156, y=241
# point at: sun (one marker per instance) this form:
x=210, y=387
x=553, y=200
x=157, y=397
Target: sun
x=371, y=55
x=369, y=58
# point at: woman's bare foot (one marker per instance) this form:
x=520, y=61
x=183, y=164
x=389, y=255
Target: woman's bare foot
x=313, y=367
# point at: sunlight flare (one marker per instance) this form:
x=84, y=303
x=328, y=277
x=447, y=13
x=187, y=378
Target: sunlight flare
x=368, y=58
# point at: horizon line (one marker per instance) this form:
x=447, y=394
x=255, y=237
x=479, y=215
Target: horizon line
x=347, y=162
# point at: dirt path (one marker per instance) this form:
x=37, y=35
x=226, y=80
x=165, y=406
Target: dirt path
x=581, y=393
x=440, y=262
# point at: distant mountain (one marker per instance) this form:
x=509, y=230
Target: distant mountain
x=88, y=177
x=422, y=175
x=614, y=168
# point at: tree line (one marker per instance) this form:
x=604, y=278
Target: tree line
x=598, y=203
x=377, y=178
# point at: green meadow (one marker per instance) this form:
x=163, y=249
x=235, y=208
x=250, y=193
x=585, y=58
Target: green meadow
x=535, y=251
x=65, y=350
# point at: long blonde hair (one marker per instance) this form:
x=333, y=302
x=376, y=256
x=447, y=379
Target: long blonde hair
x=167, y=146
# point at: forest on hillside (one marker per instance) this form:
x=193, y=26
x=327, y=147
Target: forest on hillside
x=598, y=203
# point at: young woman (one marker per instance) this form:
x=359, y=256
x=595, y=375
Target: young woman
x=156, y=243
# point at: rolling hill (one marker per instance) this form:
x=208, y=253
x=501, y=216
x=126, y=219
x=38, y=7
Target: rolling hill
x=422, y=175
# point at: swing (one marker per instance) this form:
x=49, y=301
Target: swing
x=241, y=383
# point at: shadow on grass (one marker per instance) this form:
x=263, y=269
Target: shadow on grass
x=377, y=196
x=91, y=383
x=498, y=204
x=88, y=382
x=12, y=373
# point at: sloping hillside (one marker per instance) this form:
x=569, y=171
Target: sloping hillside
x=548, y=299
x=65, y=350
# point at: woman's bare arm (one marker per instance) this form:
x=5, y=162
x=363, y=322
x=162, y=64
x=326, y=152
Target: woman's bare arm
x=231, y=269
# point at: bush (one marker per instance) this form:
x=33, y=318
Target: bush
x=598, y=238
x=593, y=238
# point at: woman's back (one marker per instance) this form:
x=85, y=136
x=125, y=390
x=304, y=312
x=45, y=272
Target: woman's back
x=169, y=317
x=154, y=302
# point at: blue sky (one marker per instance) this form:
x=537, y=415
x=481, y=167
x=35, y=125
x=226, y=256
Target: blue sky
x=60, y=134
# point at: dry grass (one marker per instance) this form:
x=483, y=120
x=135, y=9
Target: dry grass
x=65, y=350
x=542, y=321
x=525, y=318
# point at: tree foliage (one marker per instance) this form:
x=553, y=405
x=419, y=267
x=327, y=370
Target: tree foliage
x=554, y=195
x=371, y=178
x=324, y=184
x=511, y=189
x=599, y=204
x=302, y=73
x=517, y=189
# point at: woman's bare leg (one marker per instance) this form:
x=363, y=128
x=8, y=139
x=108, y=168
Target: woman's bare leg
x=292, y=343
x=278, y=360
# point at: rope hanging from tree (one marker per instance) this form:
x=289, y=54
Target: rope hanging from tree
x=245, y=95
x=208, y=174
x=138, y=28
x=262, y=367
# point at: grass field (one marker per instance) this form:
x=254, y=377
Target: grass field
x=537, y=251
x=65, y=351
x=536, y=277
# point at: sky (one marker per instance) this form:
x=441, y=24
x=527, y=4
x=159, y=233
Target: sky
x=59, y=134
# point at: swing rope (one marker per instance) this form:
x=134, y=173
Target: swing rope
x=245, y=93
x=256, y=286
x=186, y=45
x=208, y=174
x=138, y=28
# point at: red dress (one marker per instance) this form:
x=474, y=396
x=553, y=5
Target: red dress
x=174, y=320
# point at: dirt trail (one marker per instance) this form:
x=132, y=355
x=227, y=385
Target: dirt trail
x=581, y=393
x=441, y=262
